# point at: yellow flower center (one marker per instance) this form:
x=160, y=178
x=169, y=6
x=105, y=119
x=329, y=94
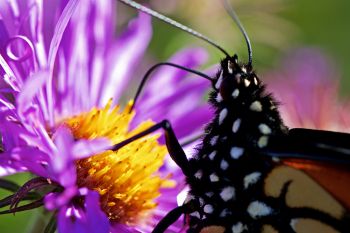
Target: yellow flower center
x=127, y=179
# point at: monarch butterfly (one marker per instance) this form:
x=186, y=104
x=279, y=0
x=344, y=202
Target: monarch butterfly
x=251, y=173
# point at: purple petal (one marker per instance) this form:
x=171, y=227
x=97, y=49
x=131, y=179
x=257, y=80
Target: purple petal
x=123, y=58
x=85, y=148
x=55, y=43
x=91, y=219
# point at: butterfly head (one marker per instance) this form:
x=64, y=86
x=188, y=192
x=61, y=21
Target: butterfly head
x=233, y=77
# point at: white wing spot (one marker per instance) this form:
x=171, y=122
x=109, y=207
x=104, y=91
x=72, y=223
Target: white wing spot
x=236, y=125
x=222, y=115
x=198, y=174
x=235, y=93
x=218, y=83
x=250, y=179
x=228, y=193
x=219, y=97
x=246, y=82
x=225, y=213
x=224, y=165
x=236, y=152
x=214, y=178
x=195, y=214
x=264, y=129
x=255, y=81
x=239, y=228
x=209, y=194
x=258, y=209
x=212, y=155
x=256, y=106
x=229, y=67
x=208, y=209
x=293, y=223
x=262, y=142
x=214, y=140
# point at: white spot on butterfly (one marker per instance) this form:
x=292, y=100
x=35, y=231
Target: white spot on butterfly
x=198, y=174
x=239, y=228
x=258, y=209
x=225, y=213
x=229, y=67
x=262, y=142
x=246, y=82
x=214, y=140
x=244, y=70
x=228, y=193
x=209, y=194
x=255, y=81
x=236, y=152
x=256, y=106
x=214, y=178
x=293, y=223
x=224, y=165
x=212, y=155
x=236, y=125
x=195, y=214
x=208, y=209
x=222, y=115
x=235, y=93
x=218, y=83
x=219, y=98
x=250, y=179
x=264, y=129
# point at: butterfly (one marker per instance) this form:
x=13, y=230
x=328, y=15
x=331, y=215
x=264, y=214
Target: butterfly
x=251, y=173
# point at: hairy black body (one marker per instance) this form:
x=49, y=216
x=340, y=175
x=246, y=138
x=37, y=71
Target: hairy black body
x=229, y=170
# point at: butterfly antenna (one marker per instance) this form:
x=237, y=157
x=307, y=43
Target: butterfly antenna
x=172, y=22
x=235, y=18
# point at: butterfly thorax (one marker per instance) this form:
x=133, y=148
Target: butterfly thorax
x=228, y=170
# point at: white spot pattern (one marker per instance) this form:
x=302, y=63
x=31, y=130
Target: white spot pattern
x=212, y=155
x=195, y=214
x=239, y=228
x=208, y=209
x=228, y=193
x=262, y=142
x=235, y=93
x=214, y=140
x=236, y=152
x=250, y=179
x=224, y=164
x=264, y=129
x=256, y=106
x=214, y=178
x=246, y=82
x=198, y=174
x=222, y=115
x=219, y=97
x=258, y=209
x=236, y=125
x=218, y=83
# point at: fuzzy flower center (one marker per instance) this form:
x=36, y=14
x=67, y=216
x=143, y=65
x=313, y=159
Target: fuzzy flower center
x=127, y=179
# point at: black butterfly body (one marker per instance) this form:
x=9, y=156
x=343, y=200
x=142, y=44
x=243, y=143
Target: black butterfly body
x=228, y=172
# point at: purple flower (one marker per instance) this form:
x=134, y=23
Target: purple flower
x=64, y=74
x=306, y=84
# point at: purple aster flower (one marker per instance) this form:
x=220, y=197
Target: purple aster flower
x=63, y=75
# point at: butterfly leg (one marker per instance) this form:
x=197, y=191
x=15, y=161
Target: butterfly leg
x=174, y=148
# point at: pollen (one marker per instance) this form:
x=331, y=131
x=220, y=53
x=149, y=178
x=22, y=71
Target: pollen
x=127, y=180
